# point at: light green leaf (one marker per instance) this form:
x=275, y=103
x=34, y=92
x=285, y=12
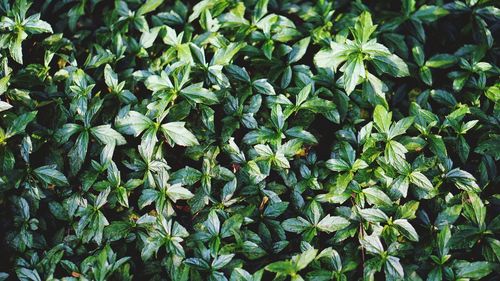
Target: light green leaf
x=353, y=74
x=332, y=223
x=420, y=180
x=406, y=229
x=148, y=7
x=105, y=134
x=177, y=192
x=177, y=133
x=133, y=123
x=376, y=196
x=382, y=119
x=196, y=93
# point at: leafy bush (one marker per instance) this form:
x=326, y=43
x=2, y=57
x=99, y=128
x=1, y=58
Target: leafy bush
x=249, y=140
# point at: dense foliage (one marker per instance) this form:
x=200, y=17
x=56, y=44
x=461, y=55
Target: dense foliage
x=249, y=140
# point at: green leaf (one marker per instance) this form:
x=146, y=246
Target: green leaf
x=463, y=180
x=28, y=274
x=393, y=65
x=441, y=61
x=393, y=268
x=332, y=223
x=448, y=216
x=376, y=196
x=283, y=267
x=133, y=123
x=197, y=94
x=50, y=175
x=260, y=10
x=354, y=73
x=406, y=229
x=493, y=93
x=221, y=261
x=331, y=57
x=443, y=97
x=296, y=225
x=15, y=47
x=400, y=127
x=364, y=27
x=223, y=56
x=19, y=124
x=490, y=146
x=105, y=134
x=262, y=86
x=437, y=146
x=395, y=153
x=372, y=244
x=66, y=131
x=430, y=13
x=420, y=180
x=177, y=192
x=443, y=240
x=382, y=119
x=158, y=82
x=305, y=258
x=337, y=165
x=148, y=6
x=186, y=176
x=231, y=226
x=197, y=263
x=147, y=197
x=303, y=94
x=318, y=105
x=373, y=215
x=408, y=210
x=298, y=50
x=177, y=133
x=474, y=270
x=34, y=25
x=426, y=75
x=78, y=152
x=213, y=223
x=299, y=133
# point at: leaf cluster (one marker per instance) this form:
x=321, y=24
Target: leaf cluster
x=249, y=140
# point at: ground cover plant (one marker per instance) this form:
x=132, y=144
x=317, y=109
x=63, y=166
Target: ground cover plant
x=249, y=140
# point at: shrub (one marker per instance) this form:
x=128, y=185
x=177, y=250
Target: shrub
x=249, y=140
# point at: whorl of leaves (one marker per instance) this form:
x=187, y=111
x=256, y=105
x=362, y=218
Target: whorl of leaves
x=249, y=140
